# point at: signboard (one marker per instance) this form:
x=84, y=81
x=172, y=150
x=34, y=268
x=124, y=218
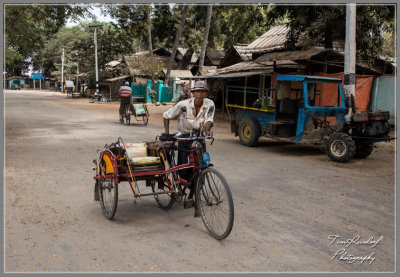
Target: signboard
x=36, y=76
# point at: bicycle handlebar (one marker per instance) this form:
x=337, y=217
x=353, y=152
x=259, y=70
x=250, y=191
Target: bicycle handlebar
x=194, y=138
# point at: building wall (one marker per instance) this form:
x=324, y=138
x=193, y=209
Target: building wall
x=383, y=96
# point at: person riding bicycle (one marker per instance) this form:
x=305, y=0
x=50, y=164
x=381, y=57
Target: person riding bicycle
x=195, y=114
x=125, y=93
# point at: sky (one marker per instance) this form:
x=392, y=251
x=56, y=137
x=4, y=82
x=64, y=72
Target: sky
x=96, y=11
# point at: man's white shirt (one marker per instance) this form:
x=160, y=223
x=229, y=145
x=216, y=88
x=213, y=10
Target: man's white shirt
x=186, y=111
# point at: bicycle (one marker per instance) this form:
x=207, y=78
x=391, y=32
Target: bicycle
x=126, y=115
x=212, y=196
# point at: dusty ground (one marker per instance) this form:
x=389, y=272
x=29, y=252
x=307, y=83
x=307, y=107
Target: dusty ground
x=288, y=200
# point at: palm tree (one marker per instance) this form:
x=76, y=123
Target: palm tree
x=149, y=30
x=176, y=42
x=205, y=38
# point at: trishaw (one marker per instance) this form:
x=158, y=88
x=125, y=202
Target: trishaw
x=138, y=109
x=154, y=164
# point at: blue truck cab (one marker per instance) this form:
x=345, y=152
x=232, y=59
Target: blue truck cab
x=314, y=110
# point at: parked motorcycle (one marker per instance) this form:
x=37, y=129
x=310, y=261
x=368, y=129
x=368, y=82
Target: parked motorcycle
x=97, y=97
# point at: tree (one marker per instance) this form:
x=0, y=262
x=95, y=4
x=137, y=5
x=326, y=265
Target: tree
x=149, y=30
x=28, y=27
x=175, y=47
x=133, y=19
x=322, y=25
x=205, y=38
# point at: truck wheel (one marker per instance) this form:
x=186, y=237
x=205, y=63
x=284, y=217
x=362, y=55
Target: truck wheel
x=340, y=147
x=363, y=151
x=249, y=131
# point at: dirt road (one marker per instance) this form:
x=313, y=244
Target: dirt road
x=295, y=210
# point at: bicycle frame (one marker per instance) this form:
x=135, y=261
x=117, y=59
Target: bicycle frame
x=115, y=169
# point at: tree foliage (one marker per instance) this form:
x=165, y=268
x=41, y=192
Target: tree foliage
x=28, y=28
x=324, y=24
x=35, y=34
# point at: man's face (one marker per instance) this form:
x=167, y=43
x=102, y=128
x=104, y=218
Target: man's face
x=200, y=94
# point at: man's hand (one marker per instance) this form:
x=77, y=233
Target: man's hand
x=209, y=133
x=208, y=127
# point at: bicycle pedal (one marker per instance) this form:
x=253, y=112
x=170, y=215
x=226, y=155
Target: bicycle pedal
x=189, y=203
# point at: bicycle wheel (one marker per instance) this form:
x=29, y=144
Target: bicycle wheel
x=127, y=115
x=103, y=99
x=214, y=200
x=165, y=201
x=108, y=194
x=91, y=100
x=145, y=119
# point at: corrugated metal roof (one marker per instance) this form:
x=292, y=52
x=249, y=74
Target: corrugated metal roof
x=117, y=78
x=254, y=65
x=194, y=58
x=273, y=39
x=299, y=55
x=179, y=73
x=241, y=49
x=182, y=50
x=215, y=56
x=113, y=63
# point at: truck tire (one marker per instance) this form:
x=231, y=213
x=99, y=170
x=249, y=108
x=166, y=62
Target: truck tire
x=340, y=147
x=249, y=131
x=363, y=151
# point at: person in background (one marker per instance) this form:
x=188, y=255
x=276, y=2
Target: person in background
x=125, y=93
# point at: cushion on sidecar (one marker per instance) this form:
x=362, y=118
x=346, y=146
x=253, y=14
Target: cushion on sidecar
x=135, y=150
x=139, y=109
x=145, y=160
x=137, y=154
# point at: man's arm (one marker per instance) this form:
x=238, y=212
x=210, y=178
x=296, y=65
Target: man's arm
x=208, y=127
x=166, y=126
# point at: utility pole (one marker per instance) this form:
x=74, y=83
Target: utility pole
x=95, y=56
x=62, y=71
x=77, y=72
x=350, y=57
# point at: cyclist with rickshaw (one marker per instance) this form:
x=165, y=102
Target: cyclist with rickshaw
x=154, y=163
x=194, y=114
x=125, y=93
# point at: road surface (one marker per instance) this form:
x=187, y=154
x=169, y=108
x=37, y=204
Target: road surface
x=294, y=208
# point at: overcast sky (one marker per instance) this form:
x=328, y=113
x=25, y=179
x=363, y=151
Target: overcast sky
x=96, y=11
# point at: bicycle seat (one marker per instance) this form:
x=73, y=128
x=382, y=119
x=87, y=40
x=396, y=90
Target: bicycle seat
x=168, y=137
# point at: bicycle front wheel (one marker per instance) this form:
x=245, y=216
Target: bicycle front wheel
x=214, y=200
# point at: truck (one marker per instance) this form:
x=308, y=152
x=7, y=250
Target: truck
x=312, y=110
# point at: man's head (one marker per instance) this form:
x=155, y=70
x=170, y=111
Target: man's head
x=126, y=83
x=200, y=90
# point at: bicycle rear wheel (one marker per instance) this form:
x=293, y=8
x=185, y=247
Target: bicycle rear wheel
x=128, y=115
x=214, y=200
x=165, y=200
x=145, y=119
x=108, y=194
